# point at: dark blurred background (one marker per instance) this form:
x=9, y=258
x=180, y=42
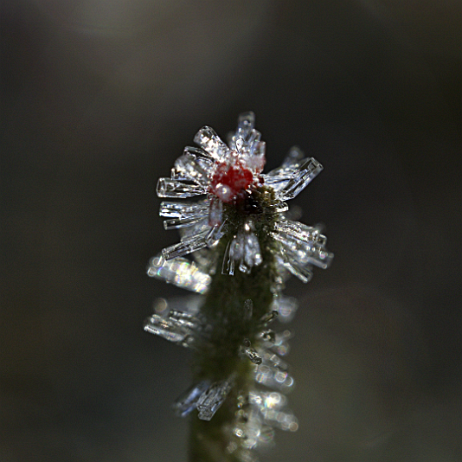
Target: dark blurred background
x=98, y=99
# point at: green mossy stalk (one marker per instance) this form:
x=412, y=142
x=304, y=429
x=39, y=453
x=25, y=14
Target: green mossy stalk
x=225, y=312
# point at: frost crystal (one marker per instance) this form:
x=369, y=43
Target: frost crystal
x=180, y=272
x=211, y=400
x=169, y=329
x=187, y=402
x=251, y=352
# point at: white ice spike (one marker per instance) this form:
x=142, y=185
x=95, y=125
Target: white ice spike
x=211, y=400
x=180, y=272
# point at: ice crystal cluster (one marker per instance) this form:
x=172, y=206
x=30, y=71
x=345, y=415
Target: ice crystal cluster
x=236, y=226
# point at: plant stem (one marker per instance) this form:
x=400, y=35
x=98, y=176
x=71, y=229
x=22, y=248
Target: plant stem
x=224, y=309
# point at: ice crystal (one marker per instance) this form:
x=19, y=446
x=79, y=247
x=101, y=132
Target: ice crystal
x=187, y=402
x=211, y=399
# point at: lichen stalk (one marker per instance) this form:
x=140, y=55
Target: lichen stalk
x=224, y=309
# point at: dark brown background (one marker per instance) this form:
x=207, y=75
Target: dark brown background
x=98, y=99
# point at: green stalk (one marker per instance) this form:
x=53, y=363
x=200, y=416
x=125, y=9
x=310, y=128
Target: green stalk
x=224, y=309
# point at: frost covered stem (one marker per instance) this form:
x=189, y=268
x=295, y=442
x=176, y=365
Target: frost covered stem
x=243, y=224
x=232, y=322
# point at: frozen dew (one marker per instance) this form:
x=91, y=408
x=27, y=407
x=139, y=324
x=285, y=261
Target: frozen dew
x=180, y=272
x=286, y=307
x=185, y=319
x=236, y=249
x=211, y=399
x=187, y=304
x=290, y=179
x=160, y=306
x=302, y=252
x=169, y=209
x=252, y=252
x=279, y=419
x=193, y=168
x=266, y=411
x=214, y=235
x=201, y=227
x=272, y=359
x=186, y=246
x=269, y=317
x=239, y=144
x=281, y=344
x=187, y=401
x=303, y=272
x=266, y=437
x=267, y=400
x=274, y=378
x=268, y=336
x=251, y=352
x=210, y=142
x=245, y=123
x=228, y=262
x=215, y=212
x=169, y=329
x=304, y=174
x=178, y=189
x=244, y=250
x=177, y=223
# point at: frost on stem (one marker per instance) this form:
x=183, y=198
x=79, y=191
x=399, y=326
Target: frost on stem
x=236, y=225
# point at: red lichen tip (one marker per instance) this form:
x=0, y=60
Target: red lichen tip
x=229, y=180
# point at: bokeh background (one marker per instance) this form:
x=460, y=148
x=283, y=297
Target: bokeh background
x=98, y=99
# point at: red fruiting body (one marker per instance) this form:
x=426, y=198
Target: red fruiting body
x=229, y=180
